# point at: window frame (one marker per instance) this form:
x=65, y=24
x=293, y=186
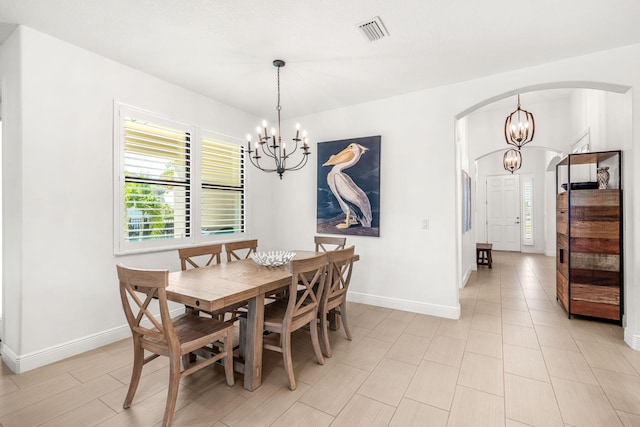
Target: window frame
x=121, y=246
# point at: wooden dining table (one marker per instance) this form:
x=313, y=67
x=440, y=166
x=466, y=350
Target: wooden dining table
x=224, y=285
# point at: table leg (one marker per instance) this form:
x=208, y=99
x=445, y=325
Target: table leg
x=334, y=324
x=253, y=351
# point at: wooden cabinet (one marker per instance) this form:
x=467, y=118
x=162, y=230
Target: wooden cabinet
x=589, y=279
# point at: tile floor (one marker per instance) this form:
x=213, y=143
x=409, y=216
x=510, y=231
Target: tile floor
x=512, y=359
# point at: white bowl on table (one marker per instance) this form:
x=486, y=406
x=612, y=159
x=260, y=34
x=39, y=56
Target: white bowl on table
x=273, y=258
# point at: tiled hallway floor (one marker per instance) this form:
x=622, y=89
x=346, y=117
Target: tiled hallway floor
x=513, y=358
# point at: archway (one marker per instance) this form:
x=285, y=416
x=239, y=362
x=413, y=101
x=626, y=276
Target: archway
x=467, y=154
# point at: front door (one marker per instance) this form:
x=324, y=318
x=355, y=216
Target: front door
x=503, y=212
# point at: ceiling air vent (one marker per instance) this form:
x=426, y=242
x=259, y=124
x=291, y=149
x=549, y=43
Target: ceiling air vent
x=373, y=29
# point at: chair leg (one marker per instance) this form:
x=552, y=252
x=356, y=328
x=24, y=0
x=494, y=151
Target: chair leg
x=345, y=323
x=324, y=335
x=138, y=362
x=186, y=360
x=285, y=342
x=228, y=360
x=313, y=327
x=172, y=392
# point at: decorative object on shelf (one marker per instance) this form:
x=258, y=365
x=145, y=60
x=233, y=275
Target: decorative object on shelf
x=512, y=160
x=272, y=258
x=272, y=145
x=519, y=127
x=348, y=200
x=603, y=178
x=581, y=185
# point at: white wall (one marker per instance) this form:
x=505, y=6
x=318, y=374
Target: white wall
x=57, y=270
x=61, y=289
x=10, y=79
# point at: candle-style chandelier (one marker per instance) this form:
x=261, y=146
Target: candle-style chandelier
x=272, y=145
x=519, y=129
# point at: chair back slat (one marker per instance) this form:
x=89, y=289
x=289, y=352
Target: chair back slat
x=236, y=250
x=327, y=244
x=196, y=256
x=340, y=268
x=151, y=284
x=307, y=285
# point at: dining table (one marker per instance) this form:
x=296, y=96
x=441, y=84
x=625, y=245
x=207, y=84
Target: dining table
x=227, y=284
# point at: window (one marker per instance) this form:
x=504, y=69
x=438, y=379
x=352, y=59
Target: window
x=222, y=182
x=175, y=186
x=527, y=210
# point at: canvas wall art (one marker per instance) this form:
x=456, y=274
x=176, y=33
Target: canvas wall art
x=349, y=187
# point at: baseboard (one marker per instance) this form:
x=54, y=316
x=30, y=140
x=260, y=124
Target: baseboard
x=550, y=253
x=632, y=339
x=406, y=305
x=467, y=275
x=26, y=362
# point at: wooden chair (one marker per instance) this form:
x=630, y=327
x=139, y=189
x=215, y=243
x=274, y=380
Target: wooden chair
x=334, y=243
x=334, y=297
x=200, y=256
x=168, y=337
x=204, y=256
x=235, y=249
x=286, y=316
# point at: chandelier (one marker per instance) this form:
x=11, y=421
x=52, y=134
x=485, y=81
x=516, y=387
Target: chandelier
x=272, y=145
x=519, y=127
x=512, y=160
x=518, y=131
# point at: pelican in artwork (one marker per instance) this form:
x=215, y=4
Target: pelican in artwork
x=353, y=201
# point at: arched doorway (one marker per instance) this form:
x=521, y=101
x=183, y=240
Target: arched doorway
x=572, y=109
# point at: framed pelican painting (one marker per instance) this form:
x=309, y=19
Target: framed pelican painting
x=349, y=187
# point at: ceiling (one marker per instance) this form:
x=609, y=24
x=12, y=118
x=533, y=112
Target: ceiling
x=224, y=49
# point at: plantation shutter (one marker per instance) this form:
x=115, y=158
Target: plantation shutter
x=157, y=169
x=222, y=181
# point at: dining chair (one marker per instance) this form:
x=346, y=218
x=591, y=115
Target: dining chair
x=200, y=256
x=286, y=316
x=168, y=337
x=204, y=256
x=235, y=250
x=333, y=243
x=334, y=298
